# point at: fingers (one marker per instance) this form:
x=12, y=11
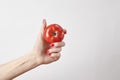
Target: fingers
x=55, y=56
x=57, y=44
x=54, y=50
x=55, y=47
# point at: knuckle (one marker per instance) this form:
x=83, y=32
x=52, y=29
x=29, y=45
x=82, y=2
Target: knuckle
x=60, y=49
x=63, y=43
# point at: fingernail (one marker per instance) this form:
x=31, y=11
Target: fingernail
x=44, y=22
x=49, y=54
x=65, y=32
x=47, y=51
x=51, y=44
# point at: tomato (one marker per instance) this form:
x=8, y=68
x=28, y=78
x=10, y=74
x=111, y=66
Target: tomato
x=54, y=33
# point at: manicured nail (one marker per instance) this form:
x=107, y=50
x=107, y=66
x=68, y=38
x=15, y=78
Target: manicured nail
x=49, y=54
x=51, y=44
x=47, y=51
x=65, y=32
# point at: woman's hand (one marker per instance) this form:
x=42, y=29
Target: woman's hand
x=42, y=53
x=46, y=53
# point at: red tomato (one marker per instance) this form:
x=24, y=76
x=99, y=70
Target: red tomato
x=54, y=33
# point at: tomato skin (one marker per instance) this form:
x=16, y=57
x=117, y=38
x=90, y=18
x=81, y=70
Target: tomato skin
x=54, y=33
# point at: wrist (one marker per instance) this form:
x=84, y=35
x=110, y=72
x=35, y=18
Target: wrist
x=37, y=59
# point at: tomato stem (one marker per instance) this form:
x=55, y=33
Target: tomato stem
x=54, y=33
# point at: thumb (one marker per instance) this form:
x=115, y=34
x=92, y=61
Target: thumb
x=41, y=32
x=44, y=24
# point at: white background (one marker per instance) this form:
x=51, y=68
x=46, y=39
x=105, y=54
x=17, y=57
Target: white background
x=92, y=50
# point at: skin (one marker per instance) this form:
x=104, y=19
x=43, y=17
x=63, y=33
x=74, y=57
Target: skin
x=36, y=57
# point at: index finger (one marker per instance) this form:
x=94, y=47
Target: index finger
x=57, y=44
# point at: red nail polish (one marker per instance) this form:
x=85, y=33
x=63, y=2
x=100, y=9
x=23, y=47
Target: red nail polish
x=47, y=51
x=51, y=44
x=49, y=54
x=65, y=32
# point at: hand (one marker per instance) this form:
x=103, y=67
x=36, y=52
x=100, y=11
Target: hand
x=46, y=53
x=42, y=53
